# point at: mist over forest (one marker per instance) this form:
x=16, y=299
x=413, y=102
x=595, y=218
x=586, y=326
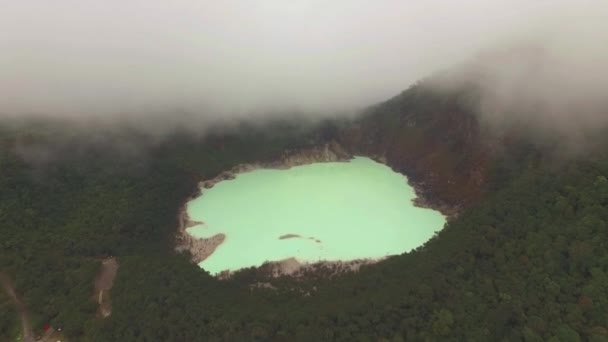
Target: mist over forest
x=115, y=115
x=208, y=62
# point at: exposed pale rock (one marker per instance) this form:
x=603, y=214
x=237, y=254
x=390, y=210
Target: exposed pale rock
x=293, y=268
x=330, y=152
x=200, y=249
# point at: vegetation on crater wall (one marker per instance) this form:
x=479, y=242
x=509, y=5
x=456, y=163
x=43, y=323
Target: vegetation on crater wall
x=527, y=263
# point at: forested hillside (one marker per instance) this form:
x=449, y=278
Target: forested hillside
x=526, y=258
x=67, y=201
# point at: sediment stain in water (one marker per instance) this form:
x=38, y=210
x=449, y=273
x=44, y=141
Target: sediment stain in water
x=357, y=209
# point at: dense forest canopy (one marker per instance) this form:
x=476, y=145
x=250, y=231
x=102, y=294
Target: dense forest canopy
x=525, y=259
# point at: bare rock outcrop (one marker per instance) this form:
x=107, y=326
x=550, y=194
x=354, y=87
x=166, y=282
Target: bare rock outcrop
x=292, y=267
x=199, y=248
x=329, y=152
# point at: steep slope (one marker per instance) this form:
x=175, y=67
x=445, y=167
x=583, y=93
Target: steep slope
x=525, y=259
x=432, y=137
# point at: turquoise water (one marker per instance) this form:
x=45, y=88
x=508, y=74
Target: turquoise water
x=341, y=211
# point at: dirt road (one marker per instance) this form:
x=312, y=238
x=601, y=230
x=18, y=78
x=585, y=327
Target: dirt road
x=103, y=283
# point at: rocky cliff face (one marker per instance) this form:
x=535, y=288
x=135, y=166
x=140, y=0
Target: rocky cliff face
x=433, y=139
x=328, y=152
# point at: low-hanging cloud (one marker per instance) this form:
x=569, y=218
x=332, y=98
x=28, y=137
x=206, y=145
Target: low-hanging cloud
x=549, y=79
x=219, y=59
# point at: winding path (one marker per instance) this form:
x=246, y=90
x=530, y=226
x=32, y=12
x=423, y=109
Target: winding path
x=104, y=282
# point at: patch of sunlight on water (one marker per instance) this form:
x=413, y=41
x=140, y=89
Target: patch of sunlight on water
x=340, y=211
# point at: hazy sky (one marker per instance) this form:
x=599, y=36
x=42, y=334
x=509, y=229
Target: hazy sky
x=84, y=57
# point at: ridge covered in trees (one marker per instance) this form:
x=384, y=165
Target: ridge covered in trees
x=529, y=262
